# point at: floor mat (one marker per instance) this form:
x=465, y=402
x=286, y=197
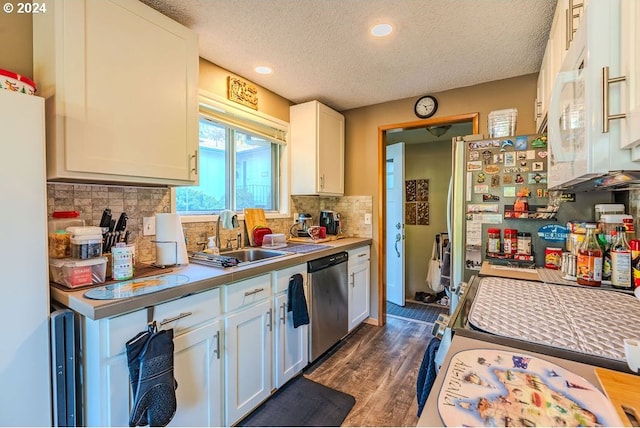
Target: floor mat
x=302, y=403
x=417, y=311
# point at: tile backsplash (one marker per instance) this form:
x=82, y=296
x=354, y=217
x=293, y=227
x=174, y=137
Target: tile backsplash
x=138, y=202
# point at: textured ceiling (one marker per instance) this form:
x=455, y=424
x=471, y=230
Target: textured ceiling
x=320, y=49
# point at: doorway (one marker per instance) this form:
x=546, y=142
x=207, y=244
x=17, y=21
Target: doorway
x=392, y=239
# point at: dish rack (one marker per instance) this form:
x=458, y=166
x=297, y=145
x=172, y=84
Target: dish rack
x=213, y=260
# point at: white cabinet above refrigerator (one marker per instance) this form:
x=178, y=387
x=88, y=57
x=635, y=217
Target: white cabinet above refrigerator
x=584, y=143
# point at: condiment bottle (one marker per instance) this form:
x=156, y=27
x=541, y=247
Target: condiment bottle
x=635, y=262
x=493, y=243
x=605, y=245
x=524, y=243
x=589, y=263
x=510, y=241
x=620, y=260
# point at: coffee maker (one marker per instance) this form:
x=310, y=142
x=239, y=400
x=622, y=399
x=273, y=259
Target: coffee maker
x=331, y=221
x=299, y=228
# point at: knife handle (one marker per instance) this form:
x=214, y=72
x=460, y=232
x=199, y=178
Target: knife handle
x=105, y=221
x=122, y=222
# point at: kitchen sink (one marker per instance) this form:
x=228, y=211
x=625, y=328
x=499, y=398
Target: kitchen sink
x=233, y=258
x=253, y=254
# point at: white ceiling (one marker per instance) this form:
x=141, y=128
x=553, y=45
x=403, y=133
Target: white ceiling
x=320, y=49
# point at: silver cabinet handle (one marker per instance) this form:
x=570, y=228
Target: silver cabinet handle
x=249, y=293
x=195, y=162
x=217, y=350
x=176, y=318
x=606, y=81
x=353, y=280
x=269, y=319
x=283, y=318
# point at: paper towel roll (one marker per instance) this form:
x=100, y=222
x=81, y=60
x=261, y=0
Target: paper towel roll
x=170, y=246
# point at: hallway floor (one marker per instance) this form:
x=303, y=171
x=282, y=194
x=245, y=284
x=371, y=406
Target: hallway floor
x=378, y=366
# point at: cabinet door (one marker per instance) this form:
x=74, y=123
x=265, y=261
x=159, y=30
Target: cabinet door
x=290, y=344
x=330, y=151
x=359, y=277
x=125, y=90
x=248, y=351
x=197, y=369
x=630, y=57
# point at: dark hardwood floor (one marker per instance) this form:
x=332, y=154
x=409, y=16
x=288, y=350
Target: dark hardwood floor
x=378, y=366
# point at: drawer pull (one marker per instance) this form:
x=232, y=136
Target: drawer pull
x=249, y=293
x=176, y=318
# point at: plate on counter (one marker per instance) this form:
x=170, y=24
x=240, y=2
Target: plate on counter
x=489, y=387
x=136, y=287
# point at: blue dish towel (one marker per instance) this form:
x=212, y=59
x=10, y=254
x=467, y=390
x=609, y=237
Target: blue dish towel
x=427, y=373
x=297, y=302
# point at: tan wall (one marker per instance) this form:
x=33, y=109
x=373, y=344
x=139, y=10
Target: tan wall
x=214, y=79
x=361, y=156
x=16, y=46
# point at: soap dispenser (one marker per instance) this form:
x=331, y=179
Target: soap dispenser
x=211, y=246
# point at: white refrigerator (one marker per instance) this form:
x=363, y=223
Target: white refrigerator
x=25, y=386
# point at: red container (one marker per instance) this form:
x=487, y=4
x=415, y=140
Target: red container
x=553, y=258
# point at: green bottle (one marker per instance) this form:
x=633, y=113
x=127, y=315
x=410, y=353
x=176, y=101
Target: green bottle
x=606, y=256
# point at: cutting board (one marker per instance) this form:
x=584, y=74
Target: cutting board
x=623, y=390
x=254, y=217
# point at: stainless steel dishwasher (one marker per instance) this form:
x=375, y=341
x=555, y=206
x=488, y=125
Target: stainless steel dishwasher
x=328, y=302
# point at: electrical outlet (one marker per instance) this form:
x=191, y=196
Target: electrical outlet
x=148, y=226
x=367, y=218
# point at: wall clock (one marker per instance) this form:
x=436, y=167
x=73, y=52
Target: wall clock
x=426, y=106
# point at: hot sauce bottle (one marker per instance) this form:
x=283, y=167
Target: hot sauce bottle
x=589, y=263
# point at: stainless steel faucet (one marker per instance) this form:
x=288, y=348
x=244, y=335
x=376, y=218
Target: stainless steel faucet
x=238, y=237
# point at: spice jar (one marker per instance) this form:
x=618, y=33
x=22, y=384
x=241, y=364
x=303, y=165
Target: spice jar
x=493, y=242
x=524, y=243
x=510, y=241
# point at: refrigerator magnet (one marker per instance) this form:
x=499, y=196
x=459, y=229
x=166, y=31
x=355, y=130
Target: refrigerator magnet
x=481, y=188
x=537, y=166
x=509, y=191
x=509, y=159
x=474, y=166
x=521, y=142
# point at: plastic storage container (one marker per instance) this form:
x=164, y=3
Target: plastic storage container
x=604, y=209
x=502, y=123
x=274, y=240
x=59, y=238
x=77, y=273
x=86, y=242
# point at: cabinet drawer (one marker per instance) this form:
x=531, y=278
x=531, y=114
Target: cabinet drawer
x=119, y=330
x=200, y=307
x=188, y=312
x=359, y=255
x=246, y=292
x=281, y=277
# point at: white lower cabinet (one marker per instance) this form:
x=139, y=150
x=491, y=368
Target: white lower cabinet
x=359, y=271
x=107, y=395
x=198, y=369
x=291, y=345
x=248, y=345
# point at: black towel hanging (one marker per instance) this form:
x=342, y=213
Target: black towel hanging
x=296, y=301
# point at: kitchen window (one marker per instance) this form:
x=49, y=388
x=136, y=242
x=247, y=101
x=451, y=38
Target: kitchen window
x=242, y=162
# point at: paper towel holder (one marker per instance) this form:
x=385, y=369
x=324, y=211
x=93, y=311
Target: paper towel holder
x=175, y=243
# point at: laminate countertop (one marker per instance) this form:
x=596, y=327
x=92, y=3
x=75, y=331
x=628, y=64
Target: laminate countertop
x=200, y=278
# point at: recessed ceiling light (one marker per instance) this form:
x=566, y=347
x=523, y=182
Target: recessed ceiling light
x=381, y=30
x=263, y=69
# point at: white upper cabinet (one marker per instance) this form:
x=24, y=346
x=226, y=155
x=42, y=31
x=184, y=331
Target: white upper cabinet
x=121, y=85
x=630, y=67
x=584, y=138
x=565, y=23
x=317, y=150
